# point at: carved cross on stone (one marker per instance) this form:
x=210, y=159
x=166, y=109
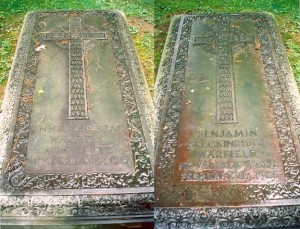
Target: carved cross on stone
x=77, y=81
x=224, y=41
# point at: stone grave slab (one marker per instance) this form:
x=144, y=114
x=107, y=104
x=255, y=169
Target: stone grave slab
x=76, y=126
x=227, y=113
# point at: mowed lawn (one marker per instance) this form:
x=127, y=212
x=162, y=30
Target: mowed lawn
x=140, y=18
x=148, y=22
x=286, y=13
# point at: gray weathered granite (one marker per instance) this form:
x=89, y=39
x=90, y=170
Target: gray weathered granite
x=227, y=117
x=76, y=123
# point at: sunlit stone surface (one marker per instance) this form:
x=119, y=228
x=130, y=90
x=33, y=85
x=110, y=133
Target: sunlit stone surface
x=228, y=120
x=76, y=128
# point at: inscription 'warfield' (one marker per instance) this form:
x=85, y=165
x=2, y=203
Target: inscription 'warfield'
x=76, y=123
x=228, y=143
x=224, y=124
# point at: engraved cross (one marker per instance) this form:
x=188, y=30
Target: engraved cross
x=223, y=42
x=77, y=81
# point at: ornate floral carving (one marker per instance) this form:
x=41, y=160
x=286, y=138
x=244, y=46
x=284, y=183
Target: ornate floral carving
x=15, y=121
x=72, y=206
x=16, y=178
x=262, y=217
x=285, y=102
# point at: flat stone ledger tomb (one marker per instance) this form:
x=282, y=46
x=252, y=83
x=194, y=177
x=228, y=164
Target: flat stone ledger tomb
x=76, y=122
x=228, y=125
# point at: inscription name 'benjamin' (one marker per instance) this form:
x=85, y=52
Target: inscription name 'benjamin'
x=235, y=153
x=222, y=141
x=228, y=116
x=226, y=133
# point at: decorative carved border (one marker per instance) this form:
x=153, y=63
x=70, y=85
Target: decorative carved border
x=16, y=178
x=10, y=105
x=139, y=84
x=277, y=74
x=213, y=218
x=70, y=207
x=48, y=207
x=162, y=83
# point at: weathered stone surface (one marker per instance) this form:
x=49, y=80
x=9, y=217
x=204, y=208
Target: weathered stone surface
x=76, y=128
x=227, y=109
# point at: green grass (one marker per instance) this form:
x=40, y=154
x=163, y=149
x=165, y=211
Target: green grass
x=139, y=8
x=159, y=14
x=285, y=12
x=5, y=65
x=12, y=14
x=9, y=30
